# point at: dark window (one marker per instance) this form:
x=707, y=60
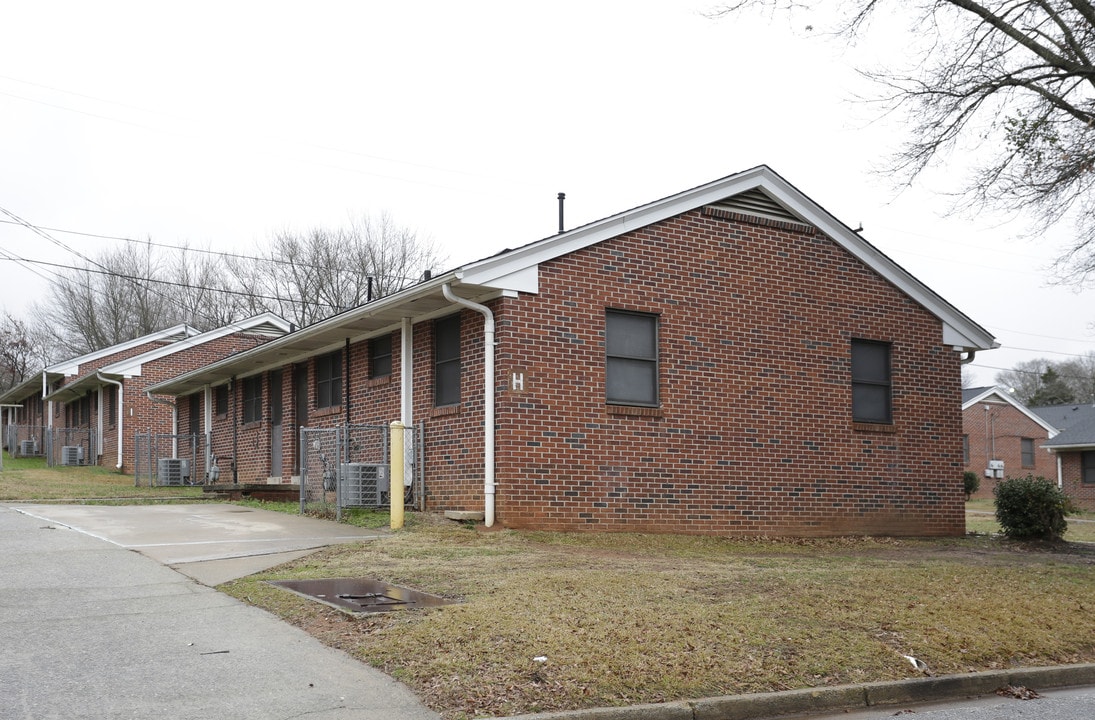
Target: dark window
x=1087, y=469
x=329, y=380
x=85, y=410
x=631, y=351
x=195, y=414
x=380, y=356
x=1026, y=450
x=965, y=449
x=220, y=400
x=446, y=358
x=252, y=399
x=871, y=391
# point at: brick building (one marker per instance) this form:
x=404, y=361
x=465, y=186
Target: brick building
x=1004, y=438
x=97, y=402
x=1074, y=450
x=729, y=360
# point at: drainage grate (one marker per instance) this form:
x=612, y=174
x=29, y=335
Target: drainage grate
x=362, y=595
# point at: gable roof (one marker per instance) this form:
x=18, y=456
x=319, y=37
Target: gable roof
x=71, y=366
x=973, y=396
x=759, y=192
x=1077, y=422
x=265, y=324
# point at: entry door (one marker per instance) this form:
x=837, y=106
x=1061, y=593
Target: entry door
x=275, y=423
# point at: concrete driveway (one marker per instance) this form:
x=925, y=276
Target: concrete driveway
x=212, y=543
x=91, y=629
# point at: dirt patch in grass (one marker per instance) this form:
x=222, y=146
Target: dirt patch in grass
x=559, y=621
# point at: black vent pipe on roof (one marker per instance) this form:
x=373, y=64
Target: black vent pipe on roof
x=562, y=199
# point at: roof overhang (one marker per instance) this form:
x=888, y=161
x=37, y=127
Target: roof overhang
x=29, y=388
x=77, y=388
x=419, y=302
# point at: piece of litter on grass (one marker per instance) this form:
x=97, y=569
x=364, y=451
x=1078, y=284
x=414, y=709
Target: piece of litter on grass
x=916, y=663
x=540, y=658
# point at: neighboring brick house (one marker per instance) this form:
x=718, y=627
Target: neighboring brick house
x=1074, y=450
x=729, y=360
x=1003, y=438
x=97, y=401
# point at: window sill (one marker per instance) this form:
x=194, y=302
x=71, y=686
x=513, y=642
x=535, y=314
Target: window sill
x=378, y=381
x=634, y=411
x=888, y=428
x=327, y=411
x=445, y=410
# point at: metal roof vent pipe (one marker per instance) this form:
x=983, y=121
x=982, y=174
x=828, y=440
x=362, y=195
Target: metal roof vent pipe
x=562, y=199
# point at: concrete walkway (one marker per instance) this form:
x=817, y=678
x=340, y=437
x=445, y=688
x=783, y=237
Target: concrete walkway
x=92, y=630
x=210, y=542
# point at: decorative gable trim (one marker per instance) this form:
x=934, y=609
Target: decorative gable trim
x=729, y=213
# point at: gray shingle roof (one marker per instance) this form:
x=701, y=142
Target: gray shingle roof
x=1076, y=422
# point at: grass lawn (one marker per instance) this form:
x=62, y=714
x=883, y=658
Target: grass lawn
x=558, y=621
x=981, y=518
x=28, y=479
x=625, y=619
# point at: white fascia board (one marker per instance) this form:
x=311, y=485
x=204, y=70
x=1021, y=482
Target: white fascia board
x=522, y=279
x=1006, y=398
x=131, y=367
x=72, y=365
x=959, y=330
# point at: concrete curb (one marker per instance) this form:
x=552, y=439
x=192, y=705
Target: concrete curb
x=758, y=706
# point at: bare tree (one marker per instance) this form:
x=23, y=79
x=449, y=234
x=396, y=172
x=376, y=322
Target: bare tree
x=129, y=292
x=308, y=277
x=22, y=351
x=1044, y=382
x=1013, y=78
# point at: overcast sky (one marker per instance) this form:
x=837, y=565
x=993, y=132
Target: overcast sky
x=216, y=124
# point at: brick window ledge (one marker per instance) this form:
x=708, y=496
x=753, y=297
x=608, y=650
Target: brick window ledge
x=874, y=427
x=445, y=410
x=327, y=411
x=634, y=411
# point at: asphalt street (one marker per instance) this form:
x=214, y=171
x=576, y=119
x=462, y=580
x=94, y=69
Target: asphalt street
x=91, y=629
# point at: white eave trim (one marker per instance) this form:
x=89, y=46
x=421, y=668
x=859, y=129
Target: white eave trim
x=1004, y=397
x=958, y=330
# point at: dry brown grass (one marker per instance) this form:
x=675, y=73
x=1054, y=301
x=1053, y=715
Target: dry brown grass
x=626, y=619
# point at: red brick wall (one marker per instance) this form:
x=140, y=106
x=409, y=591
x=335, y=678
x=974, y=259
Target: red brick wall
x=1003, y=427
x=754, y=434
x=1081, y=493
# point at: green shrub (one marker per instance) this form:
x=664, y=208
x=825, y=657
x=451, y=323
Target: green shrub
x=972, y=482
x=1031, y=508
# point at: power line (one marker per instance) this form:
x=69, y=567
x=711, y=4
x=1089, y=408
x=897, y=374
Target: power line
x=187, y=248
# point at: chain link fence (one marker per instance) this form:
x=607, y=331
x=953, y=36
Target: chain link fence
x=350, y=467
x=71, y=446
x=163, y=459
x=26, y=440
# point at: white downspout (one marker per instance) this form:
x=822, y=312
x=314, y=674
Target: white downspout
x=49, y=405
x=488, y=399
x=1060, y=472
x=121, y=413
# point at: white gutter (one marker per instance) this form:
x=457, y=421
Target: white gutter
x=121, y=412
x=488, y=399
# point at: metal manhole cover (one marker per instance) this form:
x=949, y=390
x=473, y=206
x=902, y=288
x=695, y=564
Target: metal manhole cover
x=362, y=595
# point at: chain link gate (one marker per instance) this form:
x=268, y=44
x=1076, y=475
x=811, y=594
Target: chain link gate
x=26, y=440
x=71, y=447
x=166, y=460
x=320, y=454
